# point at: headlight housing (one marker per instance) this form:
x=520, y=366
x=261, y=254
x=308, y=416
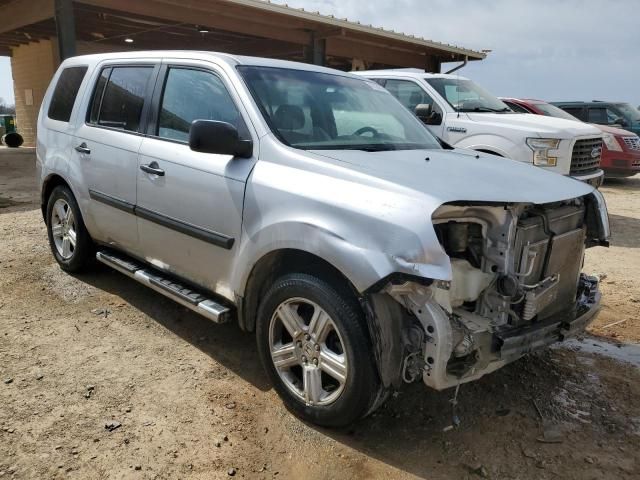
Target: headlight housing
x=611, y=142
x=541, y=147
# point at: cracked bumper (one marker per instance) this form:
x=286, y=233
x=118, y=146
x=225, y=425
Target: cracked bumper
x=516, y=343
x=497, y=348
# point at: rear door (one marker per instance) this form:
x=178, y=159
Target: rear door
x=106, y=145
x=189, y=204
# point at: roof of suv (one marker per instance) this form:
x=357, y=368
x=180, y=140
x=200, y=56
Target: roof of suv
x=407, y=72
x=230, y=59
x=595, y=103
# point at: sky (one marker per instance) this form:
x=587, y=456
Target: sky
x=546, y=49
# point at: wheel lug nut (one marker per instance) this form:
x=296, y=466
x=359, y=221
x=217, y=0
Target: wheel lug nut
x=315, y=362
x=307, y=337
x=317, y=347
x=304, y=359
x=299, y=344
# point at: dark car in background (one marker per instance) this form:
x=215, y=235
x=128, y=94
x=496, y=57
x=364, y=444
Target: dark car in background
x=616, y=114
x=620, y=150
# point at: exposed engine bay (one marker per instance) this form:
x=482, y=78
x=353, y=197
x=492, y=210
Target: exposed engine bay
x=516, y=285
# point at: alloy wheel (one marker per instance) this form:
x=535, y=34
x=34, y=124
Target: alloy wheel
x=63, y=228
x=308, y=352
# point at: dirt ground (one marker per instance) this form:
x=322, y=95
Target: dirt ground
x=185, y=398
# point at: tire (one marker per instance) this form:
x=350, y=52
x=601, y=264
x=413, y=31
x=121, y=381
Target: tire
x=73, y=258
x=12, y=140
x=338, y=341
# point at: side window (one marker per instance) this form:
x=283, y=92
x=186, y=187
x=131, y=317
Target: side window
x=515, y=107
x=614, y=117
x=598, y=115
x=194, y=95
x=410, y=94
x=119, y=97
x=577, y=112
x=65, y=93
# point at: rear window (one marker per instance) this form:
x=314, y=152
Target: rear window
x=119, y=97
x=64, y=96
x=598, y=115
x=577, y=112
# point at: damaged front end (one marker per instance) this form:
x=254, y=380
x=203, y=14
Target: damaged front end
x=516, y=286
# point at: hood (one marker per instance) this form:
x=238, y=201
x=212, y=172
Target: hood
x=536, y=124
x=460, y=175
x=614, y=131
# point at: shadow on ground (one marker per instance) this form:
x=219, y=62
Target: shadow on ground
x=625, y=231
x=500, y=415
x=226, y=343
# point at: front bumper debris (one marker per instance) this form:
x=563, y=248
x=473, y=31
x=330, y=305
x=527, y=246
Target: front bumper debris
x=495, y=347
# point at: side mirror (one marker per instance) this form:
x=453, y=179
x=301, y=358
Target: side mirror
x=424, y=112
x=211, y=136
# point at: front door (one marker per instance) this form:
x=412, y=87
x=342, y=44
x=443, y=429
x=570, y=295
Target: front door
x=189, y=205
x=107, y=147
x=410, y=94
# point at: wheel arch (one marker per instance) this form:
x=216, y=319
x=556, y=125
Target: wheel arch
x=52, y=181
x=280, y=262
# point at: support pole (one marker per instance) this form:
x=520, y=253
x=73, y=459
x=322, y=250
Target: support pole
x=66, y=28
x=433, y=64
x=317, y=51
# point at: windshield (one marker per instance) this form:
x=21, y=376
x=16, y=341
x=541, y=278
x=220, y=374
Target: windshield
x=320, y=111
x=465, y=96
x=628, y=111
x=553, y=111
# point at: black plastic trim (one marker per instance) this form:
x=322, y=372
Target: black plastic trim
x=215, y=238
x=397, y=278
x=208, y=236
x=112, y=201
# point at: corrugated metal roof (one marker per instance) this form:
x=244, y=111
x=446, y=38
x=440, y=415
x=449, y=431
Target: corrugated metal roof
x=301, y=13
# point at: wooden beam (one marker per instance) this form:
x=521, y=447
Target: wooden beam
x=343, y=47
x=20, y=13
x=198, y=15
x=265, y=48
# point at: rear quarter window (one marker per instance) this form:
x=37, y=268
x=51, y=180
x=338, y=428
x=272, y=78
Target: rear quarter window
x=65, y=93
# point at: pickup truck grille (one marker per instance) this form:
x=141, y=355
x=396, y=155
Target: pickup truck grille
x=583, y=160
x=632, y=143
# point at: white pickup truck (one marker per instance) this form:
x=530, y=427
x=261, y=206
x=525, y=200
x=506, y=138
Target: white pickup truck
x=464, y=115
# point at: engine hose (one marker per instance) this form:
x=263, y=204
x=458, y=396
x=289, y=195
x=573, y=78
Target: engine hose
x=550, y=234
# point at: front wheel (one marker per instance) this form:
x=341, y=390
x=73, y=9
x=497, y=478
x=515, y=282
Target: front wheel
x=314, y=344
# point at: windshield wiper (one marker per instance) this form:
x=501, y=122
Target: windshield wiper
x=485, y=109
x=373, y=147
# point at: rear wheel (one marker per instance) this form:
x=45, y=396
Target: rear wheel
x=69, y=240
x=314, y=344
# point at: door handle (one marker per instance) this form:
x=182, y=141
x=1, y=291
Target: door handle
x=82, y=148
x=153, y=169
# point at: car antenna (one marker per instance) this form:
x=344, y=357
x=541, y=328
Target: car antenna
x=458, y=93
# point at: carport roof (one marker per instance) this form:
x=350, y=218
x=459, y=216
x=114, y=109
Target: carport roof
x=253, y=27
x=267, y=5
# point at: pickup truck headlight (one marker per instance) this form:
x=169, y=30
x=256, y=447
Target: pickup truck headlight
x=611, y=142
x=541, y=147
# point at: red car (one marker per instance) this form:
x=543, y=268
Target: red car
x=621, y=149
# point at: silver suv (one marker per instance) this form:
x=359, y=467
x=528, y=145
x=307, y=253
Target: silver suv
x=312, y=208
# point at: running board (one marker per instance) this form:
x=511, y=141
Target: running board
x=168, y=287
